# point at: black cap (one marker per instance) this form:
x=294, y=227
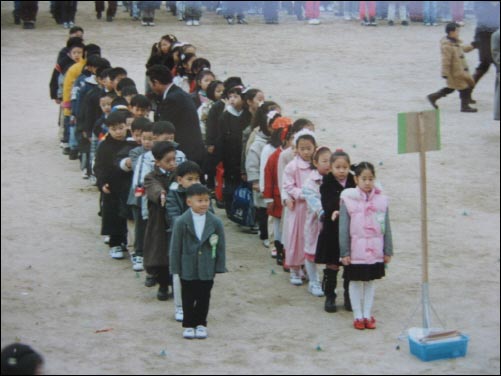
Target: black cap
x=451, y=26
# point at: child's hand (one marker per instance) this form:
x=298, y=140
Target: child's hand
x=269, y=206
x=290, y=204
x=106, y=189
x=211, y=149
x=255, y=186
x=387, y=259
x=335, y=214
x=162, y=199
x=128, y=163
x=346, y=260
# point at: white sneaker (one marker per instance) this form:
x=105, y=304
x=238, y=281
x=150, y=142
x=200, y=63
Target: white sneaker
x=151, y=23
x=106, y=239
x=189, y=23
x=179, y=315
x=144, y=23
x=189, y=333
x=314, y=21
x=137, y=263
x=201, y=332
x=295, y=279
x=117, y=253
x=196, y=23
x=266, y=243
x=315, y=289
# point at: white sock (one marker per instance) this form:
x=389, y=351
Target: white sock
x=311, y=269
x=356, y=291
x=176, y=282
x=369, y=291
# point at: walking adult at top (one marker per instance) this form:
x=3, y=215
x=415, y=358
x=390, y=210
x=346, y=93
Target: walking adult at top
x=495, y=57
x=176, y=106
x=487, y=13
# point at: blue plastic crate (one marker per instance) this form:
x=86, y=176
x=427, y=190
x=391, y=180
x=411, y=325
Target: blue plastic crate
x=442, y=349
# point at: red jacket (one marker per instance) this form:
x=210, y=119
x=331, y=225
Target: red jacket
x=271, y=187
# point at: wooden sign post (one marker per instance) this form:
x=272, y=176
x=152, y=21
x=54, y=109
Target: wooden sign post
x=420, y=132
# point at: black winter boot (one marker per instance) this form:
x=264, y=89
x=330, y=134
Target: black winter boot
x=465, y=96
x=347, y=302
x=329, y=284
x=434, y=97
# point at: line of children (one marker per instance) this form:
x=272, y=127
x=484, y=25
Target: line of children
x=245, y=129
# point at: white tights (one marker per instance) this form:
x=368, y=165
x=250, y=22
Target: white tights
x=311, y=269
x=176, y=284
x=362, y=290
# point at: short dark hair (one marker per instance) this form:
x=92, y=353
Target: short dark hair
x=20, y=359
x=231, y=82
x=73, y=40
x=117, y=71
x=105, y=73
x=140, y=101
x=339, y=153
x=159, y=73
x=119, y=101
x=126, y=81
x=128, y=90
x=163, y=127
x=200, y=64
x=92, y=49
x=115, y=118
x=76, y=45
x=75, y=29
x=140, y=124
x=160, y=149
x=93, y=61
x=451, y=26
x=188, y=167
x=197, y=190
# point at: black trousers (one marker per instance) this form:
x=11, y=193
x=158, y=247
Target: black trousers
x=483, y=40
x=196, y=298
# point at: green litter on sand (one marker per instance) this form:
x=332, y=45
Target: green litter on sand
x=465, y=213
x=163, y=353
x=273, y=271
x=354, y=146
x=318, y=348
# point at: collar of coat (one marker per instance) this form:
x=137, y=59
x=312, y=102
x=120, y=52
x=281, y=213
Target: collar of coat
x=209, y=229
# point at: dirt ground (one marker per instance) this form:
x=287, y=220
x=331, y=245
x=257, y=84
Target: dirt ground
x=59, y=286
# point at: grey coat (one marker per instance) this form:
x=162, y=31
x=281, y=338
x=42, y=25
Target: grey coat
x=191, y=258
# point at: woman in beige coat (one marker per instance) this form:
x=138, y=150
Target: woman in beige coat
x=455, y=69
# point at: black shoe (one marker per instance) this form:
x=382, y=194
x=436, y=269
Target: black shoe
x=66, y=151
x=468, y=109
x=28, y=25
x=347, y=304
x=163, y=293
x=230, y=20
x=472, y=101
x=17, y=18
x=99, y=15
x=150, y=281
x=109, y=18
x=391, y=23
x=73, y=155
x=330, y=304
x=242, y=21
x=405, y=23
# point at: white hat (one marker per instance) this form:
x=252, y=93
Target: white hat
x=303, y=132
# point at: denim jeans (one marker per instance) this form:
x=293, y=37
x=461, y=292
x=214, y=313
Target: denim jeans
x=430, y=12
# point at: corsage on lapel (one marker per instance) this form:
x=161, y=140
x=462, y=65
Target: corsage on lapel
x=213, y=240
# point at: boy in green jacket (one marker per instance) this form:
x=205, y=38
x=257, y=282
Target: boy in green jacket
x=197, y=253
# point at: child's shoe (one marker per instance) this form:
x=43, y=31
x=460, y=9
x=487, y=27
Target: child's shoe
x=163, y=293
x=201, y=332
x=295, y=279
x=266, y=243
x=179, y=314
x=150, y=281
x=116, y=253
x=189, y=333
x=196, y=23
x=370, y=323
x=359, y=324
x=137, y=263
x=315, y=289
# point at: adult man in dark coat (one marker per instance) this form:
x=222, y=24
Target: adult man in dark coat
x=177, y=106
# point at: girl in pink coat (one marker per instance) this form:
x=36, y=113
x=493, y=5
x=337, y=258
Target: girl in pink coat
x=311, y=193
x=365, y=241
x=295, y=175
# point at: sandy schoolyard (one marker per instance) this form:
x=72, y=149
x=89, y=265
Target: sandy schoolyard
x=59, y=286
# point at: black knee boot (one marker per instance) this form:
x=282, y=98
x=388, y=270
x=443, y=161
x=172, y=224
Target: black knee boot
x=347, y=302
x=329, y=284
